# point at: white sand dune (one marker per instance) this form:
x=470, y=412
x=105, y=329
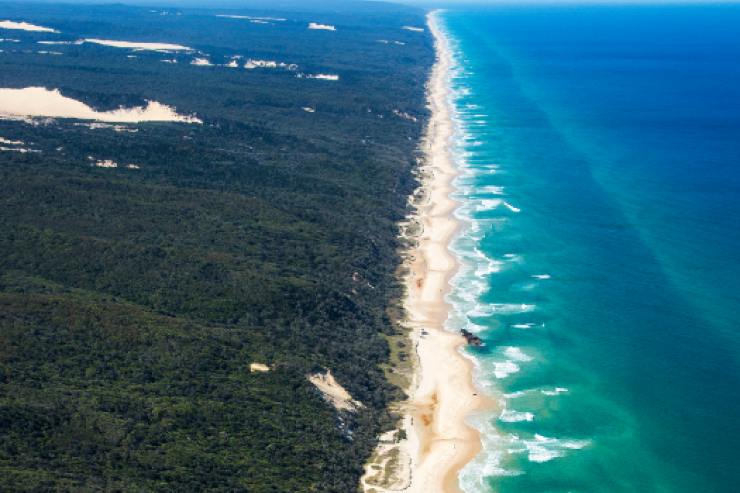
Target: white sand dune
x=321, y=27
x=109, y=163
x=11, y=142
x=108, y=126
x=135, y=45
x=201, y=62
x=252, y=18
x=387, y=42
x=7, y=145
x=105, y=163
x=55, y=42
x=21, y=150
x=253, y=64
x=331, y=77
x=42, y=102
x=25, y=26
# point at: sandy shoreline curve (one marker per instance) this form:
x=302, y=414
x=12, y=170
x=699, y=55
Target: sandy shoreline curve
x=439, y=442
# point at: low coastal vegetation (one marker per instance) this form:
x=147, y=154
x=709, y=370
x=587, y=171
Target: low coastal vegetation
x=160, y=321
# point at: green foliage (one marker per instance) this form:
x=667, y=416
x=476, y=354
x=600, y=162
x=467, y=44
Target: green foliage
x=133, y=301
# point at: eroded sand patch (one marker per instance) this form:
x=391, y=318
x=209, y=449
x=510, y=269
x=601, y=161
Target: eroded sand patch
x=42, y=102
x=9, y=145
x=258, y=368
x=334, y=393
x=109, y=163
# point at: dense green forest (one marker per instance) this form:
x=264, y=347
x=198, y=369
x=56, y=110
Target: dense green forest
x=132, y=301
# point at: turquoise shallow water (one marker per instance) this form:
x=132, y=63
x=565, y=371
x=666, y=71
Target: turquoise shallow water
x=599, y=150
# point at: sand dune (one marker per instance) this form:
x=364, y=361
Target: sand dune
x=252, y=18
x=201, y=62
x=331, y=77
x=25, y=26
x=42, y=102
x=253, y=64
x=135, y=45
x=321, y=27
x=11, y=142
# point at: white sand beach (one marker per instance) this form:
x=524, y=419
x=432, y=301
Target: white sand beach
x=439, y=441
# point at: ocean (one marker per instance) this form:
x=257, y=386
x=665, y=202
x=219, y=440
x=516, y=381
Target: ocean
x=599, y=189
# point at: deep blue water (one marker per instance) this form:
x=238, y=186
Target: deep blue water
x=600, y=158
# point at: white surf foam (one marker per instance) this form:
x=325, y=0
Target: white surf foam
x=555, y=391
x=515, y=395
x=486, y=205
x=509, y=308
x=503, y=369
x=523, y=326
x=488, y=268
x=512, y=208
x=511, y=416
x=474, y=477
x=480, y=311
x=492, y=189
x=544, y=449
x=517, y=354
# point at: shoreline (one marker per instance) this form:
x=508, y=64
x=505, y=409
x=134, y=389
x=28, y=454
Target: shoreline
x=439, y=441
